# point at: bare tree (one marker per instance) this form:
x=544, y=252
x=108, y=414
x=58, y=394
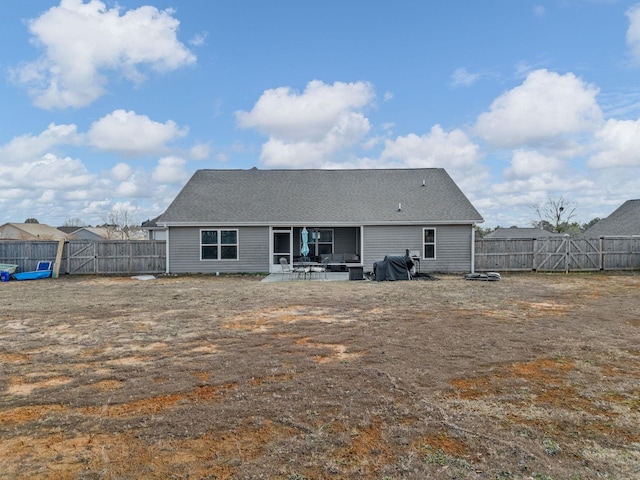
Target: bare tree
x=554, y=215
x=120, y=224
x=73, y=222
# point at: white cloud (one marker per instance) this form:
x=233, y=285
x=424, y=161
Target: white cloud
x=49, y=172
x=132, y=134
x=438, y=149
x=199, y=39
x=28, y=147
x=348, y=130
x=547, y=108
x=308, y=116
x=463, y=78
x=121, y=172
x=306, y=129
x=540, y=186
x=618, y=143
x=527, y=163
x=82, y=41
x=539, y=11
x=128, y=188
x=38, y=179
x=200, y=151
x=633, y=32
x=170, y=170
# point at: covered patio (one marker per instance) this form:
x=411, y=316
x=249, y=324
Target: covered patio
x=319, y=277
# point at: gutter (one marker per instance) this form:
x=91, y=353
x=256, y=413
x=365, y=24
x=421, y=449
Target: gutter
x=354, y=223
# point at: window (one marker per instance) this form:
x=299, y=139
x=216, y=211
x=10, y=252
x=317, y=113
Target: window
x=429, y=243
x=323, y=240
x=218, y=244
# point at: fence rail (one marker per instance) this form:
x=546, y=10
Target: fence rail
x=87, y=256
x=557, y=254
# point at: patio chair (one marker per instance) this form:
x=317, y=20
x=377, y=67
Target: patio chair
x=44, y=265
x=322, y=268
x=304, y=269
x=286, y=267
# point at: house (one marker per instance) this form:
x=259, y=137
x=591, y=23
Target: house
x=68, y=230
x=93, y=233
x=154, y=231
x=30, y=231
x=521, y=233
x=105, y=232
x=624, y=221
x=246, y=220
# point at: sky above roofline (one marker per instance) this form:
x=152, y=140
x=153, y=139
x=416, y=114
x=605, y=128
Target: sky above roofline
x=113, y=106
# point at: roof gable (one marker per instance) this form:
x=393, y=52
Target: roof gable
x=320, y=197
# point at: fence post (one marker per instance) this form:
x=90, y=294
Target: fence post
x=567, y=257
x=56, y=265
x=601, y=253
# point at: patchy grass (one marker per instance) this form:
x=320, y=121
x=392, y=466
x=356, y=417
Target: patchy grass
x=535, y=376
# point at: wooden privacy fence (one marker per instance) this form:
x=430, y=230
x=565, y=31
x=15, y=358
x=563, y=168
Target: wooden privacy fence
x=88, y=256
x=557, y=254
x=552, y=254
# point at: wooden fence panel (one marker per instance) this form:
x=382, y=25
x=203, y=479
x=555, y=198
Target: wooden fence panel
x=550, y=254
x=557, y=254
x=621, y=253
x=89, y=257
x=80, y=257
x=148, y=258
x=27, y=254
x=583, y=254
x=505, y=255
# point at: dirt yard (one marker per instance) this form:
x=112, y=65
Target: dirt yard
x=535, y=376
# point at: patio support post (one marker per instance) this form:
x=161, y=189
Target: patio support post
x=166, y=253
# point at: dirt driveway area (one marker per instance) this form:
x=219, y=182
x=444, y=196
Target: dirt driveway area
x=535, y=376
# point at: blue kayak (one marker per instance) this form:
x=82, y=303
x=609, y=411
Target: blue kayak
x=35, y=275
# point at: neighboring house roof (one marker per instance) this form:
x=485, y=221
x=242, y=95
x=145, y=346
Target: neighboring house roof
x=521, y=233
x=625, y=220
x=331, y=197
x=151, y=224
x=30, y=231
x=67, y=230
x=91, y=233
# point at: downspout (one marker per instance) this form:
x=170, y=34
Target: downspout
x=166, y=253
x=473, y=248
x=361, y=253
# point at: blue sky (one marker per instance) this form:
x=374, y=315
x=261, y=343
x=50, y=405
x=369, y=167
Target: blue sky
x=112, y=106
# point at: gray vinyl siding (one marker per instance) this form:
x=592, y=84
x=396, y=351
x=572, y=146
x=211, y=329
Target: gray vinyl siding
x=453, y=246
x=184, y=251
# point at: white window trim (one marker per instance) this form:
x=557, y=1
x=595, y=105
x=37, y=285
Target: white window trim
x=435, y=243
x=220, y=244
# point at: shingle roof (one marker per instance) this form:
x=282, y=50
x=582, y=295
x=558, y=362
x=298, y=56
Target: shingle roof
x=625, y=220
x=320, y=197
x=30, y=231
